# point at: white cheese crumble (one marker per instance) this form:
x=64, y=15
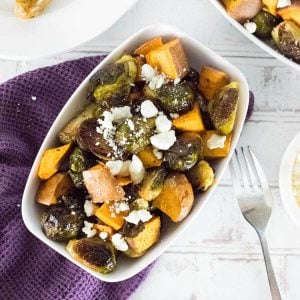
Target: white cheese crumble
x=114, y=166
x=119, y=242
x=120, y=207
x=174, y=115
x=216, y=141
x=124, y=172
x=283, y=3
x=158, y=154
x=136, y=170
x=136, y=216
x=163, y=124
x=176, y=81
x=148, y=109
x=89, y=208
x=163, y=140
x=88, y=229
x=152, y=78
x=103, y=235
x=130, y=124
x=250, y=26
x=121, y=113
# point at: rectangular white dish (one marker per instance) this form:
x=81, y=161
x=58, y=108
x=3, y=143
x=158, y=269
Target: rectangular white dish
x=198, y=55
x=253, y=38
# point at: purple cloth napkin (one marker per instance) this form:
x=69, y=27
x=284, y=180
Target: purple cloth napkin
x=29, y=269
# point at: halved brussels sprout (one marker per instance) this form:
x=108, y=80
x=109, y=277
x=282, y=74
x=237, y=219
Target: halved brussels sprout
x=61, y=224
x=94, y=253
x=134, y=140
x=265, y=22
x=222, y=109
x=185, y=153
x=132, y=230
x=139, y=203
x=153, y=183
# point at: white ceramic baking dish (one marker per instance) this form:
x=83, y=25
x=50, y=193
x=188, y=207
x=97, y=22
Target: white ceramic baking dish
x=199, y=55
x=218, y=5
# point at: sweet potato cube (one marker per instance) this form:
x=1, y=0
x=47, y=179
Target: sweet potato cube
x=52, y=160
x=104, y=228
x=169, y=59
x=55, y=187
x=211, y=81
x=148, y=158
x=290, y=13
x=149, y=46
x=145, y=239
x=123, y=181
x=102, y=185
x=108, y=215
x=270, y=6
x=217, y=152
x=190, y=121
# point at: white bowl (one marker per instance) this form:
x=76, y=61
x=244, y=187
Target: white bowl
x=253, y=38
x=285, y=180
x=198, y=55
x=65, y=24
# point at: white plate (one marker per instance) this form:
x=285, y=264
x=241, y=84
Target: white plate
x=285, y=180
x=253, y=38
x=65, y=24
x=199, y=55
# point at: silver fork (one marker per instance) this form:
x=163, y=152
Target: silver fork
x=255, y=200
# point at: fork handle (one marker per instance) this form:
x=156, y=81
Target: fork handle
x=271, y=276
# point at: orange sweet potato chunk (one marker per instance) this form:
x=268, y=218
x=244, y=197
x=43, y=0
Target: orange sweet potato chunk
x=148, y=158
x=149, y=46
x=270, y=6
x=190, y=121
x=290, y=13
x=104, y=228
x=52, y=160
x=169, y=59
x=211, y=81
x=123, y=181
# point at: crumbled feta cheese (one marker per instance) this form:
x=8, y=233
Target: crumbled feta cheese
x=88, y=229
x=158, y=154
x=33, y=98
x=144, y=215
x=119, y=242
x=107, y=121
x=150, y=75
x=103, y=235
x=216, y=141
x=123, y=206
x=147, y=72
x=157, y=82
x=136, y=170
x=136, y=216
x=163, y=124
x=121, y=113
x=176, y=81
x=130, y=124
x=283, y=3
x=124, y=172
x=89, y=208
x=115, y=166
x=163, y=140
x=250, y=26
x=174, y=115
x=148, y=109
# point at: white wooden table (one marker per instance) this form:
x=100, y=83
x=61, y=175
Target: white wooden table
x=219, y=257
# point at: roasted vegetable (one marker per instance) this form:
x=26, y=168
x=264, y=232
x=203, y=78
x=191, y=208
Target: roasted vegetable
x=110, y=86
x=104, y=228
x=185, y=153
x=61, y=224
x=291, y=13
x=149, y=46
x=139, y=204
x=68, y=133
x=242, y=10
x=102, y=185
x=134, y=140
x=190, y=121
x=148, y=158
x=265, y=22
x=153, y=183
x=287, y=38
x=27, y=9
x=270, y=6
x=176, y=98
x=132, y=230
x=201, y=176
x=192, y=77
x=52, y=160
x=148, y=236
x=169, y=59
x=222, y=109
x=94, y=253
x=211, y=81
x=177, y=197
x=74, y=201
x=56, y=186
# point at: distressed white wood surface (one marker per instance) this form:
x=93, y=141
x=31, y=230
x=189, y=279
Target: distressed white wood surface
x=219, y=257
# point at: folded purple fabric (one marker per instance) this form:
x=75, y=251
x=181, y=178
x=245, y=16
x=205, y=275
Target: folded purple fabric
x=29, y=269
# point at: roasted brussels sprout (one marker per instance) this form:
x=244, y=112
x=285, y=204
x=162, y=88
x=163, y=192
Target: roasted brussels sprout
x=265, y=22
x=73, y=202
x=68, y=133
x=201, y=176
x=192, y=77
x=176, y=98
x=94, y=253
x=222, y=109
x=153, y=183
x=139, y=203
x=287, y=38
x=185, y=153
x=111, y=86
x=132, y=230
x=134, y=140
x=61, y=224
